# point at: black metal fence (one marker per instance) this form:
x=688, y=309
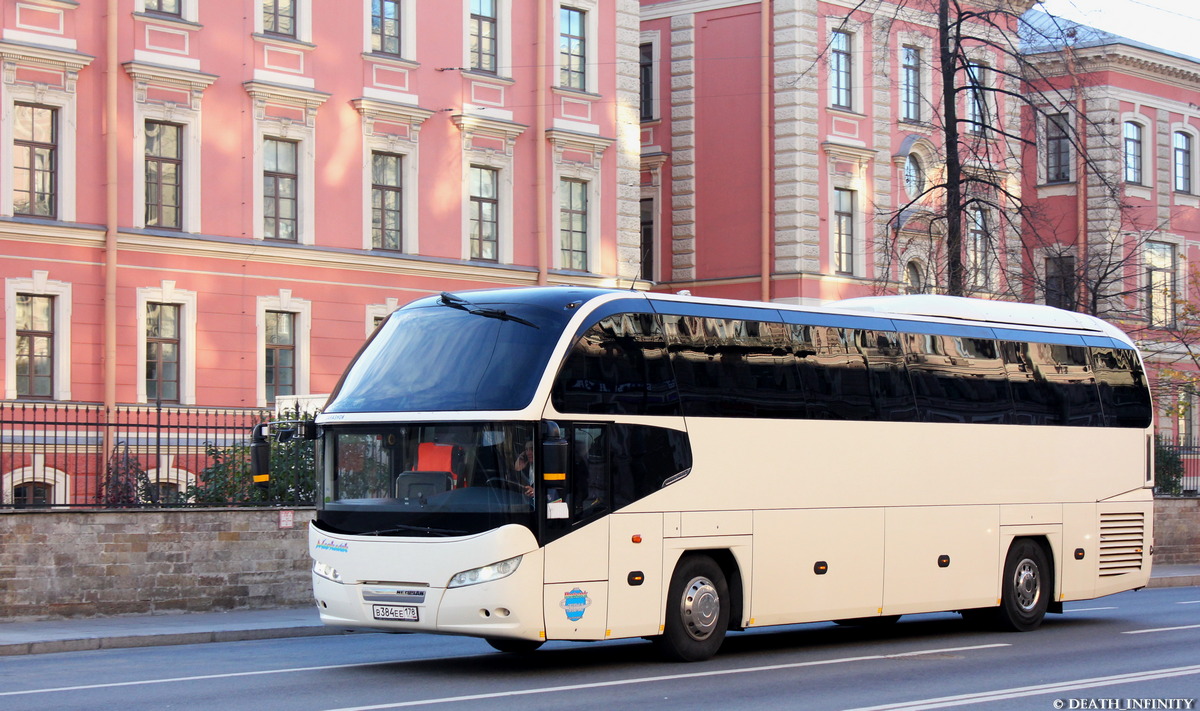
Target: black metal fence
x=85, y=455
x=1177, y=467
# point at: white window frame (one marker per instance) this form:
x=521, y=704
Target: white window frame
x=186, y=300
x=591, y=8
x=303, y=22
x=592, y=221
x=305, y=140
x=504, y=23
x=65, y=172
x=408, y=30
x=37, y=471
x=167, y=473
x=857, y=59
x=1178, y=250
x=654, y=39
x=1192, y=133
x=189, y=10
x=190, y=148
x=284, y=301
x=374, y=311
x=39, y=285
x=1145, y=160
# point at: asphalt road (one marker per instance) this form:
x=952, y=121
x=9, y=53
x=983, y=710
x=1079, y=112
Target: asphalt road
x=1128, y=651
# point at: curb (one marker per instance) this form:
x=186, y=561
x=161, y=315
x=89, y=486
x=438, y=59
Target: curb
x=85, y=644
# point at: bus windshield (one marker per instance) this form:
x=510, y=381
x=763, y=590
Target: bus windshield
x=452, y=353
x=426, y=479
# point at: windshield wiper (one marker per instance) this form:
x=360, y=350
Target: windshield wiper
x=457, y=302
x=420, y=529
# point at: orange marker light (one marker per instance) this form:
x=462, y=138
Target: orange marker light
x=637, y=538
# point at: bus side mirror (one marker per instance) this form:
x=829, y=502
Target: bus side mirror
x=260, y=456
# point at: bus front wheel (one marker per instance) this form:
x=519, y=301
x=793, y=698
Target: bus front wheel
x=697, y=611
x=1027, y=587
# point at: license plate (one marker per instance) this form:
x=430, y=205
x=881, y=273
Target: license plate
x=405, y=613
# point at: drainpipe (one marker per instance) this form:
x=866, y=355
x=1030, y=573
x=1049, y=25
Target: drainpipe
x=112, y=66
x=542, y=239
x=766, y=87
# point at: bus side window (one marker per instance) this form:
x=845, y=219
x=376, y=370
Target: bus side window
x=618, y=367
x=833, y=373
x=958, y=379
x=891, y=390
x=1122, y=386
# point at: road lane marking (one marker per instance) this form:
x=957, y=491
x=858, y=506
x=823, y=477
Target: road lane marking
x=654, y=679
x=232, y=675
x=1189, y=602
x=200, y=677
x=1038, y=690
x=1090, y=609
x=1163, y=629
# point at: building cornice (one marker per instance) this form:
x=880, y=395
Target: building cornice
x=1125, y=59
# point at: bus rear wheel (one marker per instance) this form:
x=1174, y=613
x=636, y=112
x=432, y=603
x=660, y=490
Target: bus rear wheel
x=1027, y=587
x=697, y=611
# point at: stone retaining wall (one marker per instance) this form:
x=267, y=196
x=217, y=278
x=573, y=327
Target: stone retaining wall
x=80, y=563
x=1177, y=531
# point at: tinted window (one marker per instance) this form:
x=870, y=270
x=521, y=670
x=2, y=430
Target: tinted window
x=733, y=368
x=618, y=367
x=891, y=391
x=1122, y=385
x=833, y=373
x=958, y=379
x=432, y=357
x=1051, y=384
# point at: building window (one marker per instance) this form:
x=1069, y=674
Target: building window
x=572, y=44
x=914, y=177
x=386, y=203
x=646, y=81
x=165, y=7
x=280, y=372
x=483, y=36
x=914, y=278
x=485, y=213
x=978, y=248
x=385, y=26
x=279, y=17
x=35, y=160
x=841, y=66
x=1133, y=153
x=977, y=108
x=33, y=493
x=573, y=218
x=35, y=346
x=843, y=231
x=1060, y=282
x=646, y=265
x=162, y=352
x=1058, y=149
x=164, y=175
x=280, y=194
x=1183, y=162
x=910, y=83
x=1160, y=284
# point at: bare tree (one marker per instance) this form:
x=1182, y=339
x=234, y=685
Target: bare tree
x=993, y=101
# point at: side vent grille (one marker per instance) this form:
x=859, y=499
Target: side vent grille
x=1122, y=540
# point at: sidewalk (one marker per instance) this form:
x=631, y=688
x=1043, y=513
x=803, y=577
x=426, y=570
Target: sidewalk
x=81, y=634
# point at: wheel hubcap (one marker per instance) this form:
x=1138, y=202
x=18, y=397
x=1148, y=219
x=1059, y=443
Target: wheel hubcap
x=1027, y=585
x=701, y=608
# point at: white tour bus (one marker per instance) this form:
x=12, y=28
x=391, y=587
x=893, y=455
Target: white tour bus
x=565, y=463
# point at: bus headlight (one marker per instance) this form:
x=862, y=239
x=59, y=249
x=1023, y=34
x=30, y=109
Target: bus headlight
x=326, y=571
x=486, y=574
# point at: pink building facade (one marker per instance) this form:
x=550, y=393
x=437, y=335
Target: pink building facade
x=213, y=204
x=193, y=186
x=788, y=145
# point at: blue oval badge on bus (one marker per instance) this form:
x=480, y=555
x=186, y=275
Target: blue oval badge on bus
x=575, y=603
